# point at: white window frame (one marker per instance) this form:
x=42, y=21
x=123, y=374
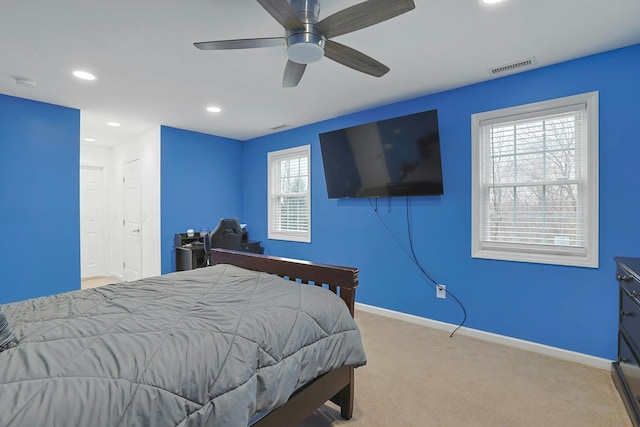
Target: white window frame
x=586, y=256
x=274, y=159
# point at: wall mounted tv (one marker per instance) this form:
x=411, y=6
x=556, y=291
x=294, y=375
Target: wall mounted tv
x=393, y=157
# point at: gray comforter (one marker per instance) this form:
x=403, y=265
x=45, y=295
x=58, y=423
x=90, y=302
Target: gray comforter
x=211, y=346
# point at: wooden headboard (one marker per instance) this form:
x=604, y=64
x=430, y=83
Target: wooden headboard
x=342, y=281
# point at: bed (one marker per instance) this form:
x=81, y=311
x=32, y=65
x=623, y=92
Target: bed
x=232, y=344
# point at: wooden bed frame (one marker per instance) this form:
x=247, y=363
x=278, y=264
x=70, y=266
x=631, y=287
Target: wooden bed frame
x=338, y=385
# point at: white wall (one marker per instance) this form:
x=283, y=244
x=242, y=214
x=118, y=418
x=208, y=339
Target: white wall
x=146, y=148
x=95, y=156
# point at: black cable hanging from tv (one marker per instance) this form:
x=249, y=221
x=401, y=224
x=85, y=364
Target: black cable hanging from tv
x=412, y=256
x=427, y=275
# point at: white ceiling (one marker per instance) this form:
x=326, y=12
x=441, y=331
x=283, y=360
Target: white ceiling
x=149, y=72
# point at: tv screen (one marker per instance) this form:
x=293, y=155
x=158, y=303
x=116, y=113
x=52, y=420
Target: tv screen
x=393, y=157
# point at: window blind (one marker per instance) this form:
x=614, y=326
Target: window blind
x=291, y=196
x=533, y=178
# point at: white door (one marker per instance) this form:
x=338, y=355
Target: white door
x=92, y=221
x=131, y=221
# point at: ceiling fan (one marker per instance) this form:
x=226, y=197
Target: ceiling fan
x=307, y=40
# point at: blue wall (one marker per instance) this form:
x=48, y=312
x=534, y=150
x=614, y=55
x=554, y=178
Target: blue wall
x=201, y=182
x=566, y=307
x=39, y=199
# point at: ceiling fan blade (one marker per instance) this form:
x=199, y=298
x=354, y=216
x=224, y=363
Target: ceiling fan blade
x=354, y=59
x=282, y=12
x=240, y=43
x=292, y=74
x=363, y=15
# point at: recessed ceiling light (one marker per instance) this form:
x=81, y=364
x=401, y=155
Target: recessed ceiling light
x=84, y=75
x=214, y=109
x=90, y=139
x=114, y=124
x=490, y=2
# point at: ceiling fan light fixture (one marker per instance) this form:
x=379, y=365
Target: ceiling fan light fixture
x=305, y=48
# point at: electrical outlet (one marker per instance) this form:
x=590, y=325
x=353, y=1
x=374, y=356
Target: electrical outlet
x=441, y=291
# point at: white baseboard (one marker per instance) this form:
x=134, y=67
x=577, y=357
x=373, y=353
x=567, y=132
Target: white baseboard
x=571, y=356
x=116, y=275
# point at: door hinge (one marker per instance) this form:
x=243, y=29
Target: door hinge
x=123, y=222
x=122, y=264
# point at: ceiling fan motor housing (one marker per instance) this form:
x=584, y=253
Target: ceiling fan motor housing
x=306, y=45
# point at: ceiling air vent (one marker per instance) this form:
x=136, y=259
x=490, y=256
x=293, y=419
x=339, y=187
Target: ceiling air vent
x=23, y=81
x=279, y=127
x=513, y=66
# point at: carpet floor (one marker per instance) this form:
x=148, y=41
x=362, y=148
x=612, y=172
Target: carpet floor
x=418, y=376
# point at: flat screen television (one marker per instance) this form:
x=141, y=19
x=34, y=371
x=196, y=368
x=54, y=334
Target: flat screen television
x=393, y=157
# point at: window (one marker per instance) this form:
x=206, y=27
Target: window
x=290, y=194
x=535, y=182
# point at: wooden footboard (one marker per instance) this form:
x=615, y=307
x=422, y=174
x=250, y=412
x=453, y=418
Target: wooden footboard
x=338, y=385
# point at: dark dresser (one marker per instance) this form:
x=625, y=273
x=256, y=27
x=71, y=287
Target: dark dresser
x=626, y=370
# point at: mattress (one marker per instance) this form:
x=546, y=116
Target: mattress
x=211, y=346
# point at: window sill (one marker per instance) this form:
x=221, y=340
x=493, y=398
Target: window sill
x=290, y=237
x=573, y=258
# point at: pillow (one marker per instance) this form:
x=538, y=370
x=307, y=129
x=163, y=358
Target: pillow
x=7, y=340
